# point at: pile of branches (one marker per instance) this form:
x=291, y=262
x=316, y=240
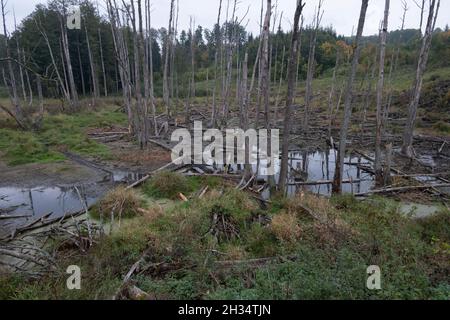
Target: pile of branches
x=223, y=226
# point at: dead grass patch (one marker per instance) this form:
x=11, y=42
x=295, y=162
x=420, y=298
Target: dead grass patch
x=124, y=203
x=285, y=227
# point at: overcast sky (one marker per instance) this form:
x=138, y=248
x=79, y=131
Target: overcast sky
x=341, y=14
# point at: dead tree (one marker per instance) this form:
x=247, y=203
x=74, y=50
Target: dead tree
x=291, y=78
x=422, y=11
x=216, y=61
x=102, y=59
x=168, y=48
x=258, y=98
x=265, y=81
x=122, y=57
x=407, y=147
x=80, y=64
x=311, y=64
x=394, y=64
x=18, y=114
x=229, y=67
x=150, y=69
x=19, y=54
x=337, y=182
x=192, y=78
x=74, y=103
x=277, y=99
x=377, y=165
x=61, y=81
x=332, y=92
x=94, y=79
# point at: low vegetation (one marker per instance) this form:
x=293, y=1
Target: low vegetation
x=225, y=246
x=60, y=132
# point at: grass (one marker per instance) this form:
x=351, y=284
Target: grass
x=332, y=261
x=125, y=203
x=60, y=132
x=169, y=185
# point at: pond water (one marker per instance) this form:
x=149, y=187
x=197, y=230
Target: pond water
x=306, y=169
x=21, y=206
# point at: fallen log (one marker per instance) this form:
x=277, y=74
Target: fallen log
x=322, y=182
x=402, y=189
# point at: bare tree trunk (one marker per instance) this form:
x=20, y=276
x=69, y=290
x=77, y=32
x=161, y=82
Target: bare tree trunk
x=121, y=52
x=261, y=40
x=332, y=93
x=393, y=67
x=27, y=75
x=311, y=66
x=105, y=82
x=80, y=63
x=337, y=183
x=168, y=45
x=229, y=72
x=377, y=165
x=407, y=147
x=216, y=61
x=93, y=68
x=265, y=81
x=150, y=69
x=18, y=113
x=38, y=122
x=291, y=76
x=192, y=79
x=22, y=81
x=299, y=52
x=277, y=99
x=65, y=45
x=55, y=66
x=244, y=116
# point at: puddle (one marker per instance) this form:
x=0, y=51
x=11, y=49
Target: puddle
x=29, y=204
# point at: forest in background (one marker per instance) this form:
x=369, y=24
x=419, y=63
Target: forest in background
x=93, y=44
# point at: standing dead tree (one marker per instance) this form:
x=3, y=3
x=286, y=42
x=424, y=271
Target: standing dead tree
x=25, y=121
x=407, y=147
x=168, y=50
x=229, y=64
x=122, y=57
x=12, y=85
x=74, y=103
x=92, y=66
x=337, y=182
x=394, y=65
x=218, y=39
x=265, y=80
x=291, y=78
x=311, y=63
x=377, y=165
x=149, y=68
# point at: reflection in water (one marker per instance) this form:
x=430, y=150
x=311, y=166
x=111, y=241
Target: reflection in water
x=319, y=166
x=30, y=204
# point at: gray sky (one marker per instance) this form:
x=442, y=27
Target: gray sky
x=342, y=14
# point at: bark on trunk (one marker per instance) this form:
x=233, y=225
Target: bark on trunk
x=407, y=147
x=377, y=165
x=291, y=76
x=337, y=181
